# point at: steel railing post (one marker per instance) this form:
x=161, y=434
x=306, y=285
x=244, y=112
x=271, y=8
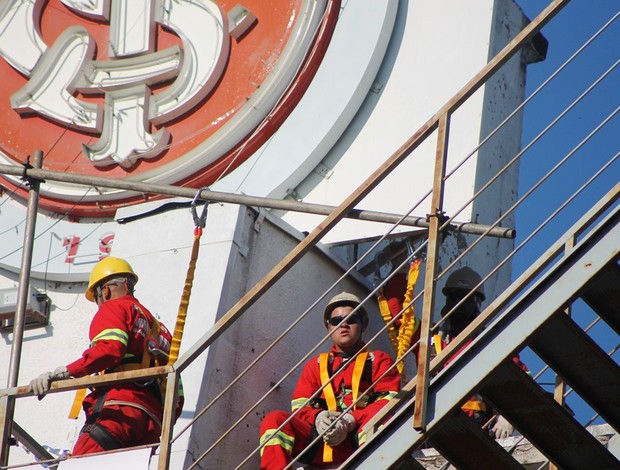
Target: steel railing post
x=434, y=241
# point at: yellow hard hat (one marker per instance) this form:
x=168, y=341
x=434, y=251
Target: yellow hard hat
x=105, y=268
x=348, y=299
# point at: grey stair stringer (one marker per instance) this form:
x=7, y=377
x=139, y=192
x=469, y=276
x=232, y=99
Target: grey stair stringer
x=545, y=423
x=572, y=354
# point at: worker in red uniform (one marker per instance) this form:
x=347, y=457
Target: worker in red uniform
x=459, y=285
x=325, y=415
x=123, y=335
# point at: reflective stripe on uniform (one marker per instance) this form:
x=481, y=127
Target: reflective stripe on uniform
x=115, y=334
x=387, y=396
x=298, y=403
x=272, y=438
x=155, y=419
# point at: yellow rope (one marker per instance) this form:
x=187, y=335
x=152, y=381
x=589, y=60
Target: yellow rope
x=175, y=345
x=401, y=340
x=408, y=321
x=386, y=314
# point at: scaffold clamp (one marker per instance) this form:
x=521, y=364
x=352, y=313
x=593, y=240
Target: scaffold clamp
x=27, y=166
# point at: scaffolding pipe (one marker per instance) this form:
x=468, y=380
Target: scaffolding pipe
x=253, y=201
x=22, y=302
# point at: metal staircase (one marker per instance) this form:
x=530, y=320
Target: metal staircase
x=536, y=318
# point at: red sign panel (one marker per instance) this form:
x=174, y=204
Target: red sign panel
x=169, y=92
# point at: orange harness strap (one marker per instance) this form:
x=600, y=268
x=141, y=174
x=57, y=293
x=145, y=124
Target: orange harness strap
x=438, y=343
x=330, y=399
x=358, y=370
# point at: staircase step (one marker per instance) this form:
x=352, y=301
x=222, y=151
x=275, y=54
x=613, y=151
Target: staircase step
x=602, y=294
x=546, y=424
x=467, y=446
x=572, y=354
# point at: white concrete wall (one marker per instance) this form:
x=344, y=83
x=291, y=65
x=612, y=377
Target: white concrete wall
x=434, y=50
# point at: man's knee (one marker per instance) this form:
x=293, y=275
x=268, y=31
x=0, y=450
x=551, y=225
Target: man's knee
x=275, y=418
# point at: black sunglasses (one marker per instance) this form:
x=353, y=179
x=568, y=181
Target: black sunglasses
x=353, y=319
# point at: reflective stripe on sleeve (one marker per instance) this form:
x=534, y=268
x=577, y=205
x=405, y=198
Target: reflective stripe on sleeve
x=298, y=403
x=114, y=334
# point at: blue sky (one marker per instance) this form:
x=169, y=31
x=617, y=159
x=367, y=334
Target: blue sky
x=566, y=33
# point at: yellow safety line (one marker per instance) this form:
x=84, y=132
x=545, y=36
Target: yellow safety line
x=179, y=326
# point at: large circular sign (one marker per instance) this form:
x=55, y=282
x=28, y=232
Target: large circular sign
x=158, y=91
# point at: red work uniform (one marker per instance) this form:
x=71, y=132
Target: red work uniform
x=127, y=414
x=292, y=439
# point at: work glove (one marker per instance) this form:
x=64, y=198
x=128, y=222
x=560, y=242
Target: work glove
x=502, y=428
x=339, y=431
x=324, y=419
x=41, y=385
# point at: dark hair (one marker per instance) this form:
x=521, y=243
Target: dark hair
x=131, y=283
x=127, y=279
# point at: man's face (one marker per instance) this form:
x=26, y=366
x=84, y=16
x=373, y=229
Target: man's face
x=465, y=312
x=346, y=336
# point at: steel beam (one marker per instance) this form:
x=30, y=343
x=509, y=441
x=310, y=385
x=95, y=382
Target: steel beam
x=603, y=295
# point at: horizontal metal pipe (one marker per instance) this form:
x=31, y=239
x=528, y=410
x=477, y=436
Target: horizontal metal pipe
x=91, y=381
x=255, y=201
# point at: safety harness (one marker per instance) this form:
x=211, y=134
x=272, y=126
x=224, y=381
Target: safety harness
x=152, y=355
x=98, y=433
x=330, y=395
